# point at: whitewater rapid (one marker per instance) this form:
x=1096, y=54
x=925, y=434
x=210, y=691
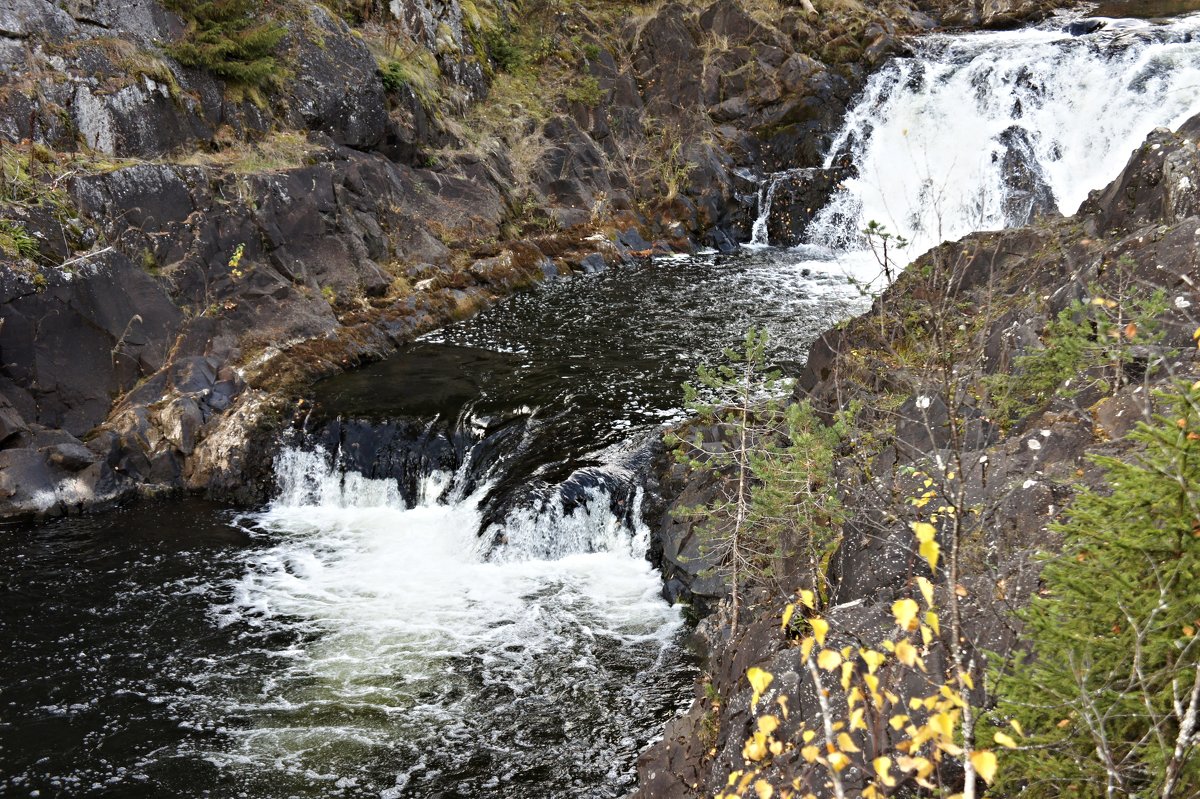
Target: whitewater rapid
x=415, y=636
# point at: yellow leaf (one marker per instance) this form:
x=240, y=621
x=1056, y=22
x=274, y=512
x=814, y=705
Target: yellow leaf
x=952, y=697
x=872, y=681
x=763, y=789
x=767, y=724
x=920, y=765
x=759, y=680
x=985, y=764
x=870, y=792
x=808, y=599
x=1016, y=725
x=906, y=653
x=820, y=629
x=883, y=767
x=828, y=659
x=931, y=619
x=873, y=659
x=755, y=748
x=930, y=550
x=905, y=612
x=810, y=753
x=838, y=760
x=809, y=735
x=924, y=531
x=787, y=615
x=806, y=648
x=942, y=724
x=965, y=676
x=856, y=719
x=1188, y=631
x=1006, y=740
x=952, y=749
x=847, y=743
x=898, y=721
x=926, y=590
x=782, y=701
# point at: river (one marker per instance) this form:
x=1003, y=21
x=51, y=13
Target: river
x=449, y=594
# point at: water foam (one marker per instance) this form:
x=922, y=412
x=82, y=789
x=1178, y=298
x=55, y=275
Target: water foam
x=400, y=630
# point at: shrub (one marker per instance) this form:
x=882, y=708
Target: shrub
x=776, y=494
x=1087, y=344
x=232, y=39
x=586, y=90
x=503, y=50
x=15, y=241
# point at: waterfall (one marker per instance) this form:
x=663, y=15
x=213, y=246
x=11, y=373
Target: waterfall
x=982, y=131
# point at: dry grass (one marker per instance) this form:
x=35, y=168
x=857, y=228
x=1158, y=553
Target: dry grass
x=277, y=152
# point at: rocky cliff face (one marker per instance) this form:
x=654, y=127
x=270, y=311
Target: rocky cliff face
x=983, y=303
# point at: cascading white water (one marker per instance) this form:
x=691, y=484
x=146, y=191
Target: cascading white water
x=930, y=134
x=405, y=614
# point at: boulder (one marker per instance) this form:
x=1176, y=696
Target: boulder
x=1027, y=191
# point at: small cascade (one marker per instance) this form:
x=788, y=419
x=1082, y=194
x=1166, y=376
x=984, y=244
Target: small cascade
x=984, y=131
x=759, y=235
x=595, y=509
x=789, y=200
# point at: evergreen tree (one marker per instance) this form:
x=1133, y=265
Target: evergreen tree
x=1111, y=693
x=233, y=39
x=775, y=510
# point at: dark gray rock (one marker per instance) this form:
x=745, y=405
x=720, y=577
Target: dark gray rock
x=12, y=426
x=71, y=457
x=592, y=264
x=1082, y=27
x=27, y=482
x=1028, y=193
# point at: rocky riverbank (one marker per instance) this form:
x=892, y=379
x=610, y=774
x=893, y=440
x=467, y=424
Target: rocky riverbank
x=181, y=253
x=930, y=368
